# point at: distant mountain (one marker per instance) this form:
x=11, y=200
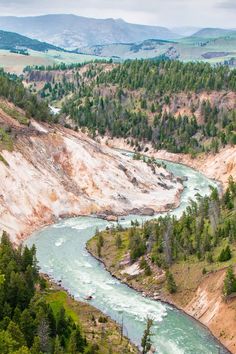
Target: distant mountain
x=15, y=41
x=70, y=31
x=185, y=31
x=222, y=49
x=214, y=33
x=149, y=48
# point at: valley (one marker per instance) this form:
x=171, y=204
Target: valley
x=55, y=39
x=84, y=275
x=118, y=192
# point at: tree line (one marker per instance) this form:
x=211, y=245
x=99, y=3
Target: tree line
x=62, y=66
x=28, y=324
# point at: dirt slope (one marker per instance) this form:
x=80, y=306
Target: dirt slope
x=55, y=172
x=209, y=307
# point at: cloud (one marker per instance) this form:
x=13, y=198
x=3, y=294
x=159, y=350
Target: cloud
x=228, y=4
x=78, y=5
x=153, y=12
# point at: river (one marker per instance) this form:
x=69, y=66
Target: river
x=62, y=255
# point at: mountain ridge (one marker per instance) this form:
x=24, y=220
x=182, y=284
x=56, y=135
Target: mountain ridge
x=72, y=31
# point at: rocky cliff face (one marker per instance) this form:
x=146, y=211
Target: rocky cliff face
x=53, y=172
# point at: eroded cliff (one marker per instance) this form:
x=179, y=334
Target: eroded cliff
x=54, y=172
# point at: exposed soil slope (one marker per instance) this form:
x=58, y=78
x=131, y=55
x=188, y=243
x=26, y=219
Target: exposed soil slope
x=54, y=172
x=209, y=307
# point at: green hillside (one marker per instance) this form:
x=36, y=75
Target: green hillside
x=14, y=41
x=159, y=102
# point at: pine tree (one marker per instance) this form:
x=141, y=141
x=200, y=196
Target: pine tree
x=229, y=282
x=57, y=346
x=171, y=286
x=146, y=339
x=36, y=346
x=72, y=346
x=118, y=241
x=225, y=254
x=16, y=334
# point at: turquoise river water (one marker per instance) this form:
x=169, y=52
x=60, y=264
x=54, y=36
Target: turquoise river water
x=62, y=255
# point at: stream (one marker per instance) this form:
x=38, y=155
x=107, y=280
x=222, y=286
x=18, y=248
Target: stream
x=62, y=255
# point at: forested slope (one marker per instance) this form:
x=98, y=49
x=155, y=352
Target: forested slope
x=27, y=322
x=12, y=89
x=205, y=232
x=37, y=317
x=176, y=106
x=188, y=261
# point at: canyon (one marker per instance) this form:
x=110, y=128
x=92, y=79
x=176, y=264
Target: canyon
x=53, y=172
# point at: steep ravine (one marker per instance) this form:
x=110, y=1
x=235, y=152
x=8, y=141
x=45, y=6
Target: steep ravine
x=54, y=172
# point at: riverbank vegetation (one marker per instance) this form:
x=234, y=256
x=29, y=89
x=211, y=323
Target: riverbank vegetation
x=37, y=319
x=169, y=257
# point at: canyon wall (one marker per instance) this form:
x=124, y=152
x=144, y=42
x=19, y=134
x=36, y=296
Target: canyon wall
x=54, y=172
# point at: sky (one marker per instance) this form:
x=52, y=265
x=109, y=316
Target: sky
x=170, y=13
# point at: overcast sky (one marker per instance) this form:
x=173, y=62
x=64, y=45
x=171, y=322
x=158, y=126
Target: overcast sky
x=214, y=13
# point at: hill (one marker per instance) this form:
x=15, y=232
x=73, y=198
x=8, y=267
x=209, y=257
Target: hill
x=212, y=50
x=180, y=107
x=73, y=175
x=70, y=31
x=14, y=41
x=149, y=48
x=213, y=33
x=185, y=30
